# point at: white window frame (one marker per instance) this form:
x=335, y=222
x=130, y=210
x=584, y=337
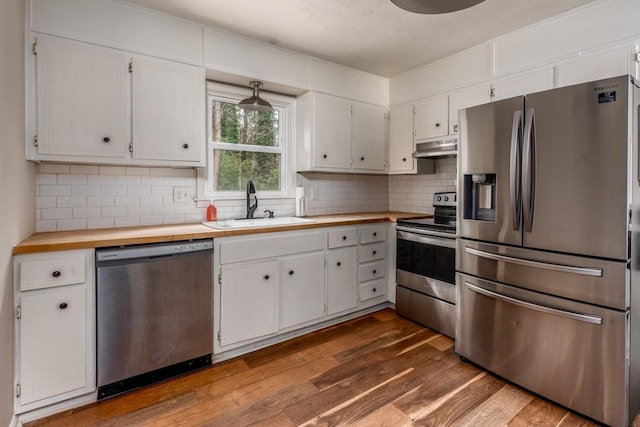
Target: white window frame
x=286, y=106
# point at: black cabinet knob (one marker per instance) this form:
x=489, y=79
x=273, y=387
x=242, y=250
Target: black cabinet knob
x=375, y=234
x=324, y=156
x=106, y=139
x=374, y=252
x=374, y=271
x=63, y=305
x=362, y=159
x=344, y=237
x=374, y=289
x=266, y=277
x=404, y=159
x=437, y=125
x=290, y=272
x=185, y=146
x=339, y=264
x=56, y=273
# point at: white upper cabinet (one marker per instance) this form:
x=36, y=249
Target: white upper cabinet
x=401, y=145
x=601, y=65
x=465, y=98
x=522, y=84
x=168, y=110
x=82, y=100
x=338, y=135
x=99, y=105
x=369, y=142
x=431, y=118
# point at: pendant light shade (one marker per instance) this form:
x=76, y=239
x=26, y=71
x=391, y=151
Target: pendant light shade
x=435, y=6
x=255, y=103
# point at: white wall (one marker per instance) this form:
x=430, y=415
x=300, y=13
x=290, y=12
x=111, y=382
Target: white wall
x=16, y=183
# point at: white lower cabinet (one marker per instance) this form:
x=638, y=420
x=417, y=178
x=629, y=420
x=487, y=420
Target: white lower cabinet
x=342, y=279
x=55, y=327
x=301, y=289
x=248, y=301
x=276, y=283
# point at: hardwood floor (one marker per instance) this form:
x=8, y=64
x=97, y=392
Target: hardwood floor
x=377, y=370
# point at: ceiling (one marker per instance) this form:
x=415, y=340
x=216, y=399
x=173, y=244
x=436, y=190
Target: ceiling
x=369, y=35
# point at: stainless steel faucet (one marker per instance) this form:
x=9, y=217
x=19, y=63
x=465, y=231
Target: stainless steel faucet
x=251, y=191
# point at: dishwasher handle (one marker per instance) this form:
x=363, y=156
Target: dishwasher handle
x=153, y=250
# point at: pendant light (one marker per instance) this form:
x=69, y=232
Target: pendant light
x=255, y=103
x=435, y=6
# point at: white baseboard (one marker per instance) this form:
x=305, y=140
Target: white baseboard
x=14, y=422
x=55, y=408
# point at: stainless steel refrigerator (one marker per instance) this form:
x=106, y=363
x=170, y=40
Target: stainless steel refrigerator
x=547, y=255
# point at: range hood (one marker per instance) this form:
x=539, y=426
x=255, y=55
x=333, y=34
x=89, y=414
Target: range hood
x=436, y=149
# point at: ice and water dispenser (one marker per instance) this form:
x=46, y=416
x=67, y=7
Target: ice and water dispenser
x=480, y=197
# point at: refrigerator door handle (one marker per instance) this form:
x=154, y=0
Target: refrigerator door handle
x=515, y=189
x=529, y=168
x=596, y=320
x=584, y=271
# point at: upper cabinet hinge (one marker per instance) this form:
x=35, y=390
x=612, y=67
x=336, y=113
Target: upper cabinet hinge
x=636, y=57
x=34, y=47
x=220, y=278
x=492, y=92
x=131, y=67
x=219, y=335
x=35, y=140
x=18, y=312
x=131, y=148
x=18, y=390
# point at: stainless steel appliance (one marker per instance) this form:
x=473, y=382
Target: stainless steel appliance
x=154, y=317
x=425, y=267
x=548, y=250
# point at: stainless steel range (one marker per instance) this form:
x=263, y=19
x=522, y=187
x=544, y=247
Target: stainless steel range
x=425, y=267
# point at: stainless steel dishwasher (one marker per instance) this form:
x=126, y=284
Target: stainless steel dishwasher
x=154, y=313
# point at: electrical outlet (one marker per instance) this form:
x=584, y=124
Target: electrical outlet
x=183, y=195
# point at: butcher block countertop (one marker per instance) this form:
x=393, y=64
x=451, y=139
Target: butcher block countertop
x=99, y=238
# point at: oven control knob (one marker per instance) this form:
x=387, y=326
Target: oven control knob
x=438, y=198
x=446, y=198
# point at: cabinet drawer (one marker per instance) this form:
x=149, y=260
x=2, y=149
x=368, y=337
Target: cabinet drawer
x=52, y=272
x=373, y=289
x=275, y=245
x=371, y=270
x=343, y=237
x=373, y=233
x=372, y=252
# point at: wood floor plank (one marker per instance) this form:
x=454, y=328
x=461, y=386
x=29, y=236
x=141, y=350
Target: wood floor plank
x=373, y=371
x=538, y=412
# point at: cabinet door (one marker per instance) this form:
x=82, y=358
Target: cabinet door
x=53, y=343
x=168, y=106
x=431, y=118
x=465, y=98
x=81, y=100
x=332, y=130
x=369, y=129
x=612, y=63
x=301, y=289
x=342, y=279
x=248, y=301
x=401, y=144
x=522, y=84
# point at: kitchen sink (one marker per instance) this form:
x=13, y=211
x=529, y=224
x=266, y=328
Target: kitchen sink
x=256, y=222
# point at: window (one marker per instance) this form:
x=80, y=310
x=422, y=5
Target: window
x=247, y=145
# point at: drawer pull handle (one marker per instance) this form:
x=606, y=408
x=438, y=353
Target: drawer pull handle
x=63, y=305
x=290, y=272
x=344, y=237
x=374, y=290
x=56, y=273
x=339, y=264
x=266, y=277
x=185, y=146
x=106, y=139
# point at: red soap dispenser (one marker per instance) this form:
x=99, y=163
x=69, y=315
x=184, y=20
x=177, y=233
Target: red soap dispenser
x=212, y=212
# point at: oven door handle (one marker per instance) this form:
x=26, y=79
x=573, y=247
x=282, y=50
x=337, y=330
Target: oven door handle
x=596, y=320
x=412, y=236
x=585, y=271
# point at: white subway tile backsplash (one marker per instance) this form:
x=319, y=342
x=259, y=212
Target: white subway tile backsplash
x=152, y=220
x=127, y=180
x=175, y=180
x=54, y=190
x=87, y=213
x=162, y=190
x=71, y=224
x=46, y=202
x=174, y=219
x=140, y=190
x=127, y=221
x=113, y=190
x=137, y=171
x=84, y=169
x=163, y=210
x=100, y=201
x=72, y=202
x=127, y=201
x=52, y=168
x=57, y=213
x=101, y=179
x=114, y=211
x=140, y=211
x=102, y=222
x=112, y=170
x=47, y=178
x=85, y=190
x=161, y=172
x=152, y=180
x=184, y=172
x=151, y=200
x=45, y=225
